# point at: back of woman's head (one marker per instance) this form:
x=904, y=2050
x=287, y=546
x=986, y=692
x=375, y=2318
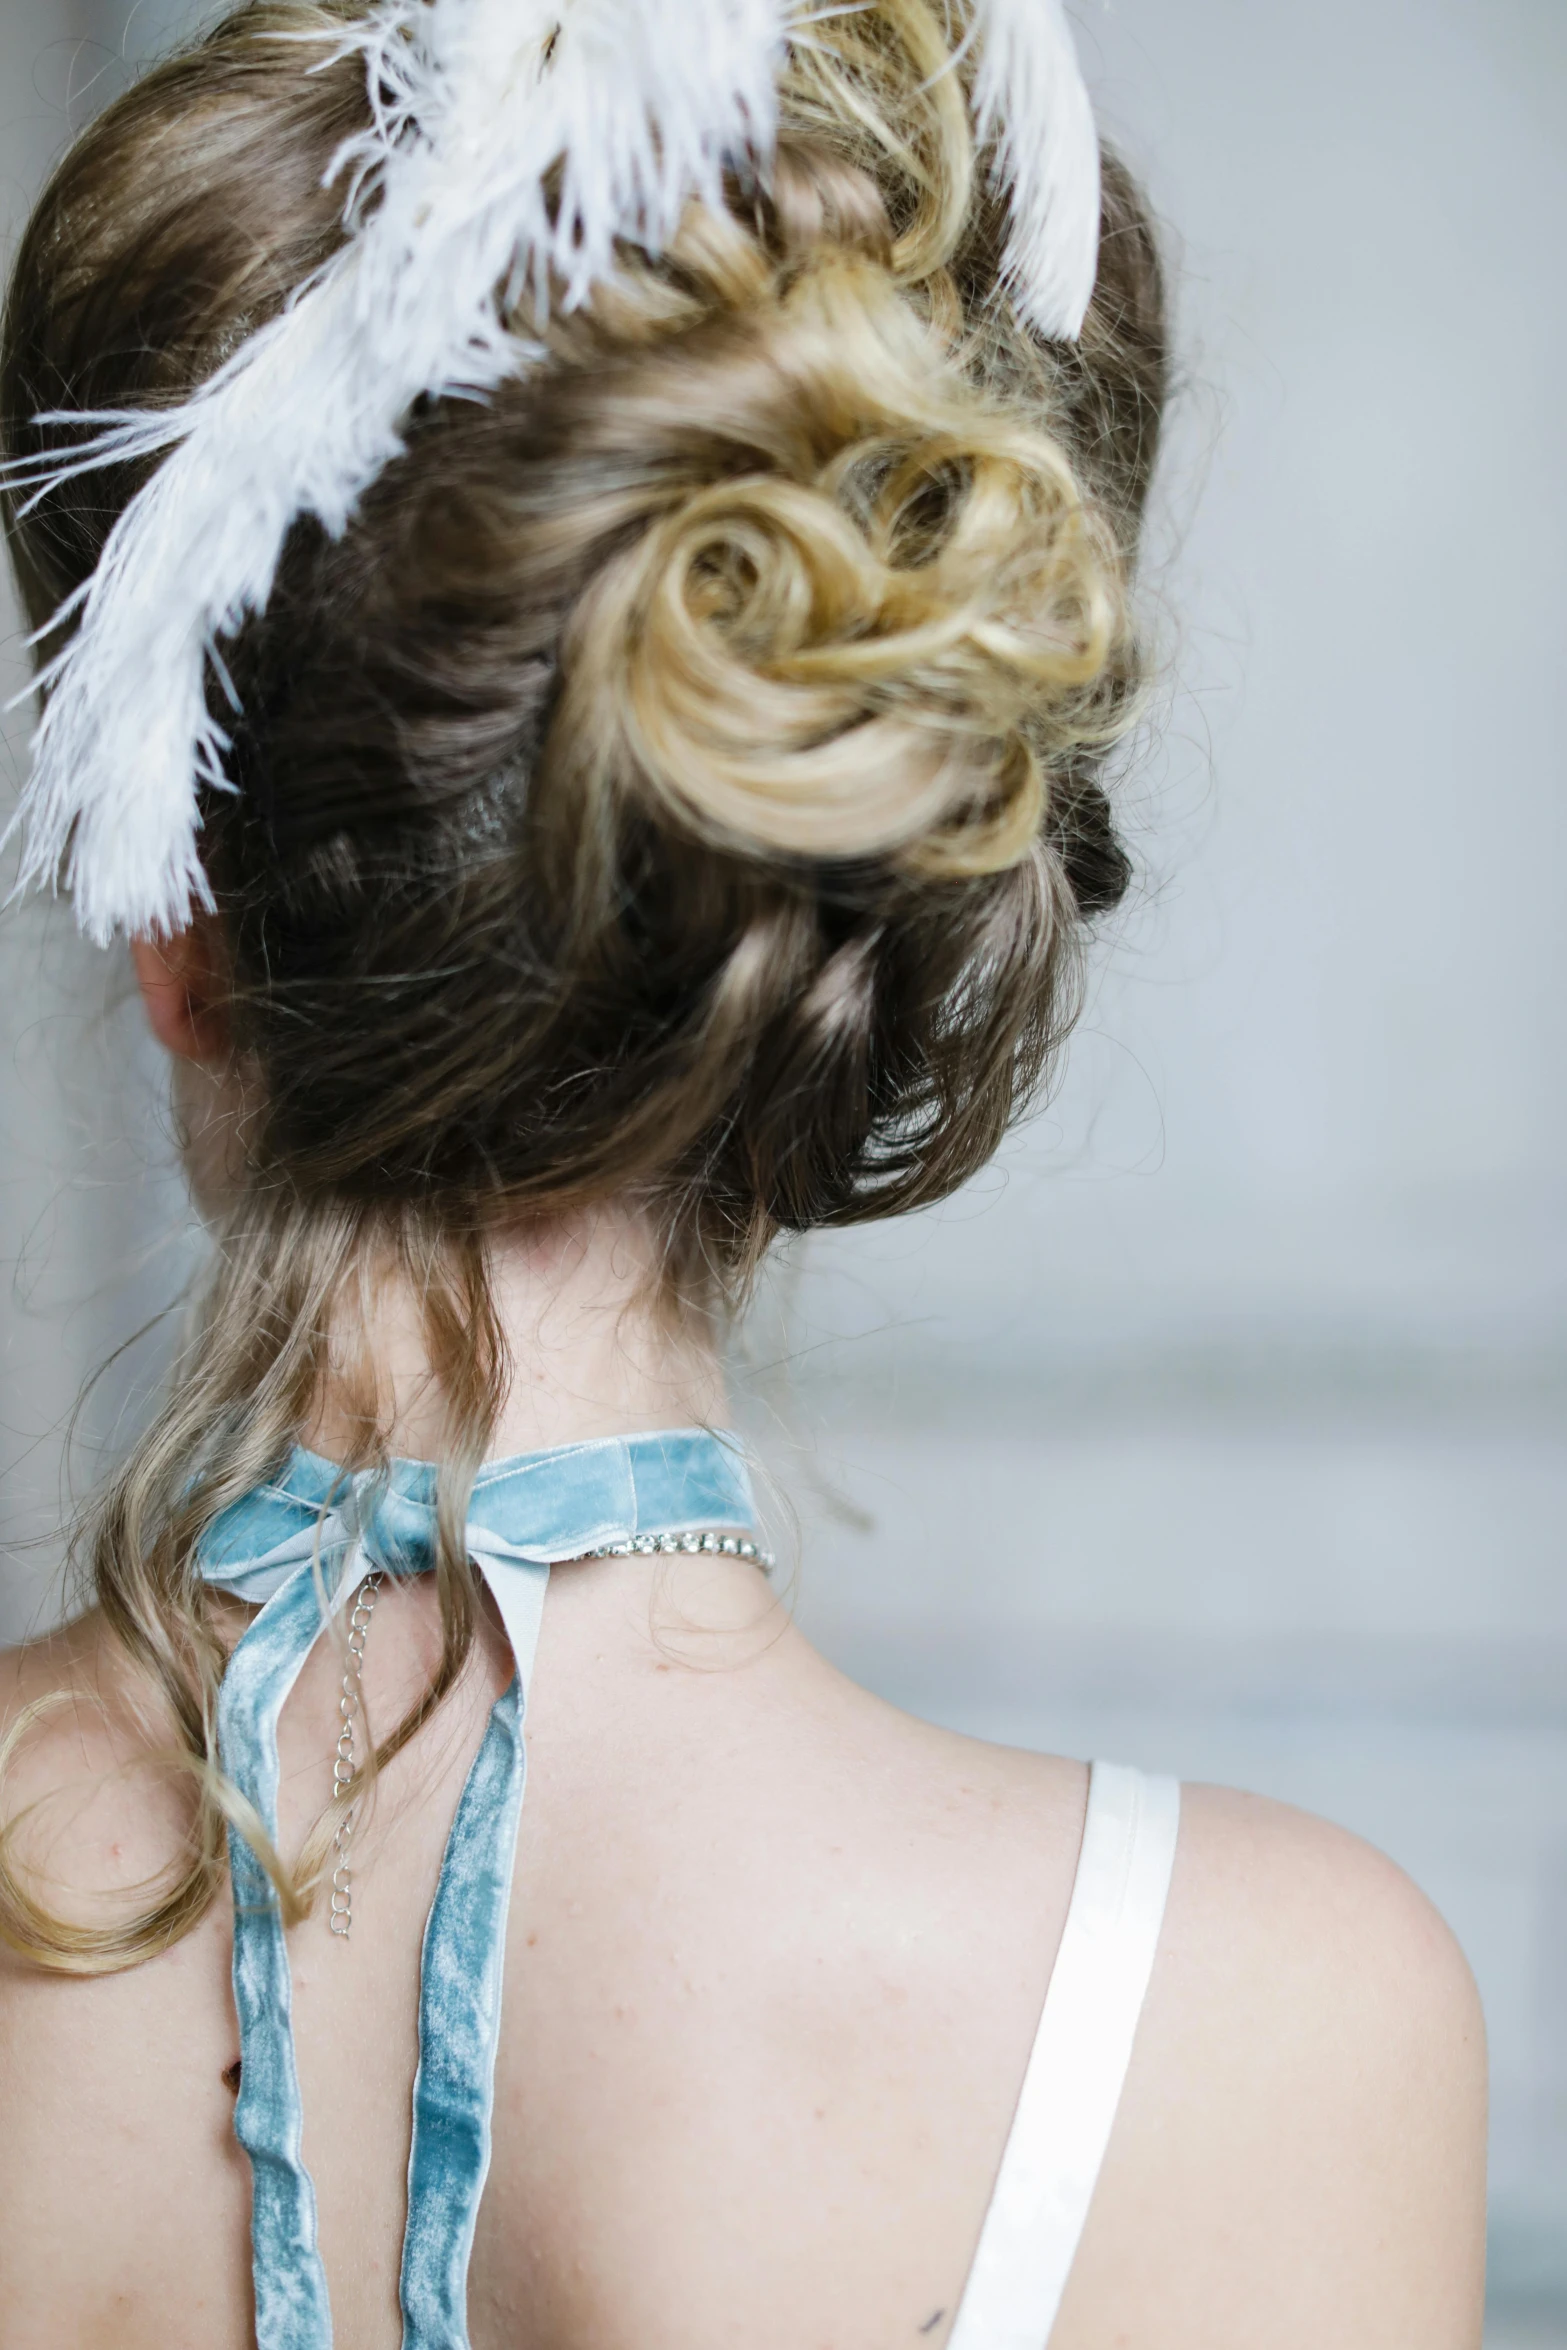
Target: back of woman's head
x=679, y=779
x=677, y=784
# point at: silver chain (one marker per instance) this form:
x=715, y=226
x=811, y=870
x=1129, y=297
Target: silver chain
x=350, y=1707
x=729, y=1546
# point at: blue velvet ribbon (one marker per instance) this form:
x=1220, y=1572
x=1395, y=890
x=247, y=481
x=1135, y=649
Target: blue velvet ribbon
x=299, y=1548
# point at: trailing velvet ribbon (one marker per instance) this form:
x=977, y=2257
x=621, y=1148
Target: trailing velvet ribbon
x=300, y=1547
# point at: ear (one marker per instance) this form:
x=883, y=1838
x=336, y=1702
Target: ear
x=181, y=982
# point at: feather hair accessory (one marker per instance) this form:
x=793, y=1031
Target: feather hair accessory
x=512, y=145
x=1031, y=100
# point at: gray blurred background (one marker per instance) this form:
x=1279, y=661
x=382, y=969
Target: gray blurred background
x=1220, y=1429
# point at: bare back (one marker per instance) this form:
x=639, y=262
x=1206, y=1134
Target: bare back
x=776, y=1961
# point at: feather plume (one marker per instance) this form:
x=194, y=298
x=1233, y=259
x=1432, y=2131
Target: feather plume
x=474, y=106
x=1032, y=101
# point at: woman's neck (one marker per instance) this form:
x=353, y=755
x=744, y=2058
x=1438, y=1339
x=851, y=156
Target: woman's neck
x=592, y=1348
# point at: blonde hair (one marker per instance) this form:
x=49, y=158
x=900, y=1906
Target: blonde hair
x=679, y=783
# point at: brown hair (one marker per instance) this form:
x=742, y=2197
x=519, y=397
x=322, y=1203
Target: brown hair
x=679, y=782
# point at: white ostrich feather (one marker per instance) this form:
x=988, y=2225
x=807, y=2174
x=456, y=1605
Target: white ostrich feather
x=1031, y=99
x=632, y=106
x=476, y=102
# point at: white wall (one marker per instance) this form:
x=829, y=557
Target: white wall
x=83, y=1195
x=1321, y=1094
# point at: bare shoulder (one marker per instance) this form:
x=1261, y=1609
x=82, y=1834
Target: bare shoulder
x=86, y=1812
x=1300, y=2156
x=53, y=1722
x=1326, y=1950
x=65, y=1713
x=1353, y=1919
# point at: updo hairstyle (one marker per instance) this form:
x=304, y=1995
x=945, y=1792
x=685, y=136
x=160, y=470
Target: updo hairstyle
x=680, y=783
x=680, y=777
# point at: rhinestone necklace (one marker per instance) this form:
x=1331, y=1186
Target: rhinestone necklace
x=729, y=1546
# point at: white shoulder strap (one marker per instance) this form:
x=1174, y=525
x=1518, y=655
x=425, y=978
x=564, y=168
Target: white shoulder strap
x=1075, y=2075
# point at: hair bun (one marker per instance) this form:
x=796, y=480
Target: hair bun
x=876, y=646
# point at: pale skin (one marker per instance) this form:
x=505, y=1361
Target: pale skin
x=777, y=1958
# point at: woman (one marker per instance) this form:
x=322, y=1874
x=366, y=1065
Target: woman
x=635, y=791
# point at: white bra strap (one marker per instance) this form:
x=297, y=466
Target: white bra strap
x=1073, y=2084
